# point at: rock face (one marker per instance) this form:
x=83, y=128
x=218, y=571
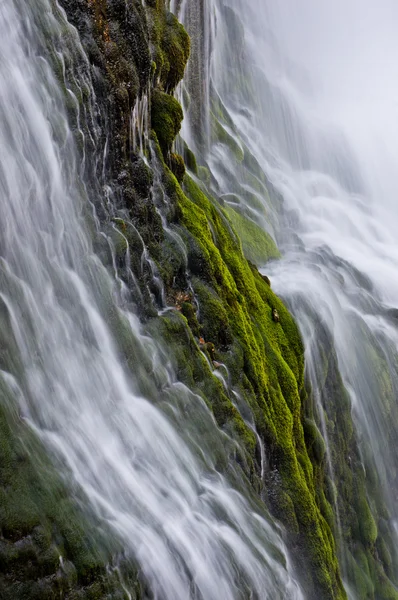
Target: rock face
x=224, y=307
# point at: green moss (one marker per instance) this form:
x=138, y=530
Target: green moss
x=385, y=590
x=222, y=135
x=353, y=492
x=314, y=440
x=266, y=361
x=367, y=525
x=257, y=244
x=326, y=509
x=177, y=166
x=41, y=523
x=283, y=509
x=142, y=177
x=213, y=316
x=166, y=118
x=170, y=47
x=189, y=313
x=190, y=160
x=204, y=175
x=384, y=554
x=176, y=48
x=193, y=369
x=360, y=576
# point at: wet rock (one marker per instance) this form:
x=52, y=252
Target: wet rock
x=177, y=165
x=166, y=117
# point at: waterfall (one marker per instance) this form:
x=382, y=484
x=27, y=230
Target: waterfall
x=189, y=466
x=303, y=134
x=144, y=450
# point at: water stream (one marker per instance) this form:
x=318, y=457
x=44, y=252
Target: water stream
x=295, y=118
x=140, y=445
x=308, y=91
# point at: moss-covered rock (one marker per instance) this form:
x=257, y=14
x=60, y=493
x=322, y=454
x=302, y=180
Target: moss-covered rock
x=177, y=165
x=170, y=46
x=265, y=361
x=258, y=246
x=190, y=160
x=48, y=547
x=166, y=118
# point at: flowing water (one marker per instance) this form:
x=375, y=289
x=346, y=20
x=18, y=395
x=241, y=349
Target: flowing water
x=307, y=95
x=308, y=91
x=140, y=445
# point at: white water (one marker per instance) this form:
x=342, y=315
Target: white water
x=139, y=444
x=344, y=195
x=346, y=208
x=320, y=114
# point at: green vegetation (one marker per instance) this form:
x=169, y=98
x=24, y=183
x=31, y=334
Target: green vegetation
x=166, y=117
x=223, y=316
x=257, y=244
x=265, y=361
x=170, y=46
x=48, y=548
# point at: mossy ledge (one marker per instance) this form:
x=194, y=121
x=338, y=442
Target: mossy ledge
x=265, y=362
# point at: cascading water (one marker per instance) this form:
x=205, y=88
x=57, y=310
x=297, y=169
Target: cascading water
x=302, y=107
x=140, y=445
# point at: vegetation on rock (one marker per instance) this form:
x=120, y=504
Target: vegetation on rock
x=224, y=317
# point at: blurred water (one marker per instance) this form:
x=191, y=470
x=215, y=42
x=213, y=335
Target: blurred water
x=141, y=446
x=309, y=91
